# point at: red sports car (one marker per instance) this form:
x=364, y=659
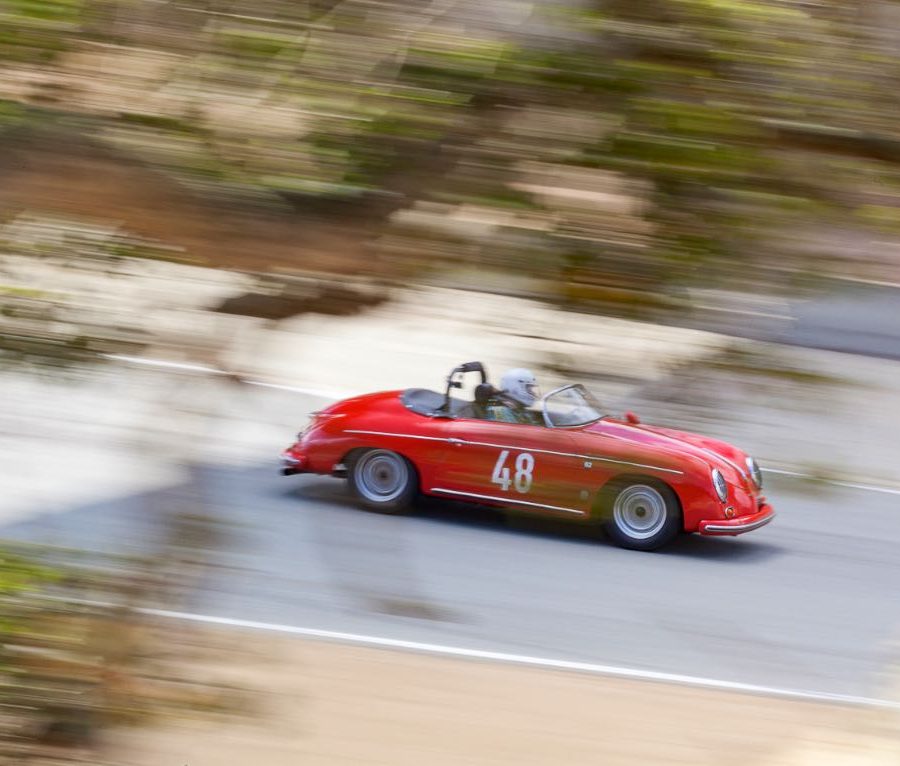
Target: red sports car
x=566, y=458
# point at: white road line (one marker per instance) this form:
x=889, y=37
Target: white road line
x=164, y=363
x=299, y=390
x=612, y=671
x=835, y=482
x=877, y=282
x=745, y=312
x=339, y=395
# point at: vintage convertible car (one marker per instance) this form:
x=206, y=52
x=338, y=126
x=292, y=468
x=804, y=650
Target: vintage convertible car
x=566, y=458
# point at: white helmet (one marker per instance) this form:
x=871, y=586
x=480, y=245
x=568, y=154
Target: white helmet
x=521, y=385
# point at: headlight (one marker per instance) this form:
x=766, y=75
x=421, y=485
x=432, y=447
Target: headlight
x=755, y=472
x=720, y=484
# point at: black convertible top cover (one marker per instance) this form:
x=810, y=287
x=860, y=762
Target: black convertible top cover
x=423, y=401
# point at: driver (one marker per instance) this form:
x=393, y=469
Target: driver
x=518, y=393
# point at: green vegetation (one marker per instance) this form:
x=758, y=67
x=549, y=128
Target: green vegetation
x=658, y=144
x=37, y=30
x=77, y=655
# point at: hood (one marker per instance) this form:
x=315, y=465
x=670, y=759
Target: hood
x=724, y=456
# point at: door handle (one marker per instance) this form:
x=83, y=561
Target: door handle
x=456, y=442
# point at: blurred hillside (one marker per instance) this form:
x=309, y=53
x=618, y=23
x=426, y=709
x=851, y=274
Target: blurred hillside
x=618, y=152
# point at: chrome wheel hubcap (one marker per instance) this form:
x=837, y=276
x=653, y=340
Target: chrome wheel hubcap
x=639, y=511
x=381, y=476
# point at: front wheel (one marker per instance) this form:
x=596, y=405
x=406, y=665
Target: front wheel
x=643, y=516
x=383, y=481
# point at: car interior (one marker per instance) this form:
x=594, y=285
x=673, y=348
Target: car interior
x=488, y=404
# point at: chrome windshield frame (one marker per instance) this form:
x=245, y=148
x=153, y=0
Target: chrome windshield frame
x=589, y=398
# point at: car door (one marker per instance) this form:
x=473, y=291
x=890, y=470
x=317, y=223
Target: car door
x=532, y=467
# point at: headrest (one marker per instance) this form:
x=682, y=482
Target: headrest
x=484, y=392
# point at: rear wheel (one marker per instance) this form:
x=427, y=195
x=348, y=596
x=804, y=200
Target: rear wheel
x=642, y=516
x=383, y=481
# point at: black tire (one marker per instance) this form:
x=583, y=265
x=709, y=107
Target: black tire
x=641, y=514
x=383, y=481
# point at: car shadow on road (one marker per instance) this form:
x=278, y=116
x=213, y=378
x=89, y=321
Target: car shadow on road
x=727, y=549
x=433, y=510
x=436, y=511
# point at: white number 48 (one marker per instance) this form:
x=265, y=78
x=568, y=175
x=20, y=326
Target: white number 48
x=523, y=475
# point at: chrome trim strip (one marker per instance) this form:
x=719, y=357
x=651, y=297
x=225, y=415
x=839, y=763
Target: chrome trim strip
x=575, y=455
x=515, y=447
x=707, y=450
x=401, y=436
x=506, y=500
x=748, y=527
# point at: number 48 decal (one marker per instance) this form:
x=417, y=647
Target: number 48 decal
x=523, y=474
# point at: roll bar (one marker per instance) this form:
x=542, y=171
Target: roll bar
x=454, y=380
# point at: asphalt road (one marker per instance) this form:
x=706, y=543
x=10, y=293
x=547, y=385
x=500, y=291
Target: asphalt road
x=810, y=602
x=848, y=317
x=861, y=319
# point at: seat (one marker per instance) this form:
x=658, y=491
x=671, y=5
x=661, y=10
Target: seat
x=492, y=404
x=484, y=394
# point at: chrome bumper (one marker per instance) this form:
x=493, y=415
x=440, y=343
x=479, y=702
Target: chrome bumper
x=290, y=464
x=737, y=526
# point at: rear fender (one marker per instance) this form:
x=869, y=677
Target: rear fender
x=343, y=467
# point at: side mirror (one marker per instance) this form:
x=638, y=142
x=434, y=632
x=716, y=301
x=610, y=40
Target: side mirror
x=631, y=418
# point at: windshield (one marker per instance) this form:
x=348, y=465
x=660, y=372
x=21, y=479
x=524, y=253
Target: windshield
x=571, y=406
